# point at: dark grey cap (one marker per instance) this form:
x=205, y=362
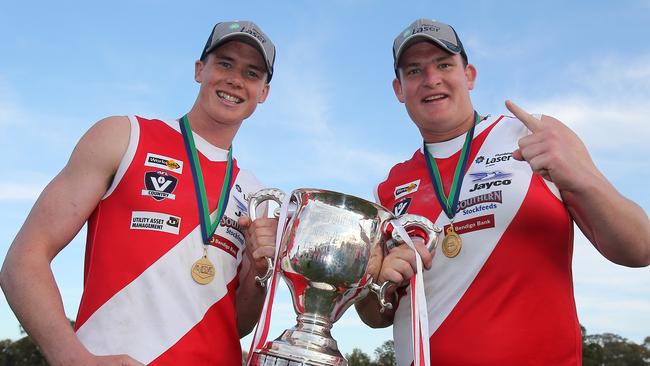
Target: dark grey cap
x=429, y=30
x=244, y=31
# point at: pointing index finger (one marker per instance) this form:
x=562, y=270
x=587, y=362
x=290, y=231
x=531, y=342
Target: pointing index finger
x=526, y=118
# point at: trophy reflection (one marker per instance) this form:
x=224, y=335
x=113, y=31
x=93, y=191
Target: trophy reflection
x=330, y=255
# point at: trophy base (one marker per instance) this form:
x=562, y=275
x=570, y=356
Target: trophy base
x=298, y=348
x=261, y=359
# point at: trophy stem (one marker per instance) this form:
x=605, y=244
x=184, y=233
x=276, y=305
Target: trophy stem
x=314, y=324
x=308, y=343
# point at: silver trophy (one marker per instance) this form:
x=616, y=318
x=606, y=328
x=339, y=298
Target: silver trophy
x=330, y=256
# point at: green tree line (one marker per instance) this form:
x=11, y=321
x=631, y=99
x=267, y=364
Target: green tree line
x=605, y=349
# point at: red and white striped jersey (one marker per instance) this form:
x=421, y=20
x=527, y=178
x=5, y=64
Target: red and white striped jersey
x=144, y=236
x=507, y=298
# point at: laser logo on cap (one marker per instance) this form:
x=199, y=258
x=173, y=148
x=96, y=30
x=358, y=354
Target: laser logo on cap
x=255, y=33
x=425, y=28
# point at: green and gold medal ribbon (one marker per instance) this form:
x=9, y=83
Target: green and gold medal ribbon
x=450, y=203
x=207, y=226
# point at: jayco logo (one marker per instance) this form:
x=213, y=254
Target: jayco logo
x=488, y=185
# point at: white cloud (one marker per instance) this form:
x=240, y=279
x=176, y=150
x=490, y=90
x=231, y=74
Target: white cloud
x=609, y=106
x=317, y=149
x=352, y=164
x=602, y=124
x=10, y=191
x=609, y=297
x=300, y=93
x=622, y=74
x=478, y=48
x=10, y=112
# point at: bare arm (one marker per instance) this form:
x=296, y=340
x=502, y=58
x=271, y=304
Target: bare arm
x=260, y=243
x=58, y=215
x=616, y=226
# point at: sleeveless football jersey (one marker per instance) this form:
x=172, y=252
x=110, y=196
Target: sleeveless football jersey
x=144, y=236
x=507, y=297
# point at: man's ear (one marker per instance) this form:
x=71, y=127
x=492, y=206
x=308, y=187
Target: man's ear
x=264, y=94
x=198, y=68
x=470, y=74
x=397, y=88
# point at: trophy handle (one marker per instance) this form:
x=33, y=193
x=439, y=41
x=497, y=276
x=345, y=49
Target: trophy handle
x=418, y=223
x=263, y=195
x=380, y=291
x=408, y=222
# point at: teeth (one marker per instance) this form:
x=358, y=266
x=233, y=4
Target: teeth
x=433, y=97
x=228, y=97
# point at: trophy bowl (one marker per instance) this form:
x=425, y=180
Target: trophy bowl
x=330, y=254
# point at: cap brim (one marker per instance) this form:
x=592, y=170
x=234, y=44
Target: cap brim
x=420, y=37
x=248, y=39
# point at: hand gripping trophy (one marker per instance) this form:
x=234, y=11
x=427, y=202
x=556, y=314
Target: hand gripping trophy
x=330, y=254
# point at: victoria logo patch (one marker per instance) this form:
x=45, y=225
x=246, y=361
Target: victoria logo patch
x=159, y=185
x=402, y=206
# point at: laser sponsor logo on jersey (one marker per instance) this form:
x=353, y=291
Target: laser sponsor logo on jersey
x=155, y=221
x=408, y=188
x=159, y=185
x=492, y=160
x=164, y=162
x=246, y=197
x=480, y=203
x=402, y=206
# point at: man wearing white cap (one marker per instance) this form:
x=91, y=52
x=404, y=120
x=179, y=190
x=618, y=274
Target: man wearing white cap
x=171, y=258
x=507, y=192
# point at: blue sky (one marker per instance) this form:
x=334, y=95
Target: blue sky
x=331, y=120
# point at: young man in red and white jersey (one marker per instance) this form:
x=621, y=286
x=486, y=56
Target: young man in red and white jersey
x=171, y=257
x=507, y=192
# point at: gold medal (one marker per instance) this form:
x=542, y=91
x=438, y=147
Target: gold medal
x=452, y=243
x=203, y=269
